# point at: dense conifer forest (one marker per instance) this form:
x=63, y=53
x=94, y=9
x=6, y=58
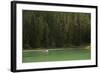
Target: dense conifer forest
x=48, y=29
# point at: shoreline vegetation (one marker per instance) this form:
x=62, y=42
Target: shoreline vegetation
x=48, y=29
x=40, y=49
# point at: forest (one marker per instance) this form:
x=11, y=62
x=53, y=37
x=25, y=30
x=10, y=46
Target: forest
x=51, y=29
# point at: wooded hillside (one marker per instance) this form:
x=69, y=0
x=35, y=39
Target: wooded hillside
x=46, y=29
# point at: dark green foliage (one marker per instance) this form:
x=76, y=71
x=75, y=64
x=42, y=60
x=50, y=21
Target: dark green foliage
x=45, y=29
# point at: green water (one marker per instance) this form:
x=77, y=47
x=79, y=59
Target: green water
x=56, y=55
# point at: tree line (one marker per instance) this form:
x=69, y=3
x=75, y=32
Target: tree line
x=48, y=29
